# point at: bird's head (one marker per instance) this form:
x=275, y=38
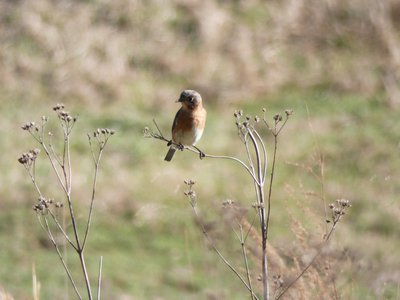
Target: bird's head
x=190, y=99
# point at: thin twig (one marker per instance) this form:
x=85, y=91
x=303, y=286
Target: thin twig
x=61, y=229
x=283, y=125
x=69, y=166
x=256, y=190
x=53, y=166
x=99, y=278
x=32, y=176
x=158, y=128
x=246, y=263
x=236, y=160
x=159, y=136
x=97, y=162
x=265, y=158
x=50, y=235
x=271, y=180
x=320, y=248
x=205, y=233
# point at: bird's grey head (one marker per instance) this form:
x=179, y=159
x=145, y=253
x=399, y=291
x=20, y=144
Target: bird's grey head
x=190, y=98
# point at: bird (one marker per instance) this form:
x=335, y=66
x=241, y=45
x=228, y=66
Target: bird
x=189, y=122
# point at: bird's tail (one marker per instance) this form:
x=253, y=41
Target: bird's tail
x=170, y=153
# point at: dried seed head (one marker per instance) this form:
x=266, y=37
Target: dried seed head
x=238, y=113
x=189, y=182
x=343, y=203
x=58, y=106
x=28, y=126
x=28, y=157
x=278, y=117
x=289, y=112
x=146, y=132
x=23, y=159
x=228, y=202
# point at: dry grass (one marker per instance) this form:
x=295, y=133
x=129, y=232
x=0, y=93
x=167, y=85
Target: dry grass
x=103, y=52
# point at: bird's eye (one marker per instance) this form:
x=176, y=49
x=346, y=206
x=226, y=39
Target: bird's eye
x=191, y=99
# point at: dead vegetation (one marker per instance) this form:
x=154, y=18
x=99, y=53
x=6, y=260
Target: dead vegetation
x=107, y=51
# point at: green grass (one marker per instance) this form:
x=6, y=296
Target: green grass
x=143, y=225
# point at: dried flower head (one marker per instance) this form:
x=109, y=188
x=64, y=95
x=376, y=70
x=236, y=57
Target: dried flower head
x=42, y=205
x=59, y=204
x=28, y=126
x=288, y=112
x=58, y=107
x=102, y=135
x=191, y=194
x=343, y=202
x=277, y=117
x=29, y=157
x=339, y=209
x=189, y=182
x=278, y=281
x=228, y=202
x=238, y=113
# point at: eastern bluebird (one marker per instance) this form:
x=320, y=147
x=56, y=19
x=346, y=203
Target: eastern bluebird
x=189, y=122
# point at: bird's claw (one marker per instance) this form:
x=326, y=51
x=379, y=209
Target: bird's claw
x=202, y=155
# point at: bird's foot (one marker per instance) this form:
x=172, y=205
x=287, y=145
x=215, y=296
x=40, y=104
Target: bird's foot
x=181, y=147
x=202, y=155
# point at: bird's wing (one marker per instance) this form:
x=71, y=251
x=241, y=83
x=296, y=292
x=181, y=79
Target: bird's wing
x=174, y=124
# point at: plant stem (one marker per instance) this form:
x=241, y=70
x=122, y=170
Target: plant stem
x=246, y=263
x=50, y=235
x=99, y=278
x=85, y=274
x=205, y=233
x=264, y=227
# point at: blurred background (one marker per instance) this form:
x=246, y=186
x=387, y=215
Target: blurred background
x=121, y=63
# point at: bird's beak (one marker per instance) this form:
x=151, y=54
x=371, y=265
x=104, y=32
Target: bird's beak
x=179, y=100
